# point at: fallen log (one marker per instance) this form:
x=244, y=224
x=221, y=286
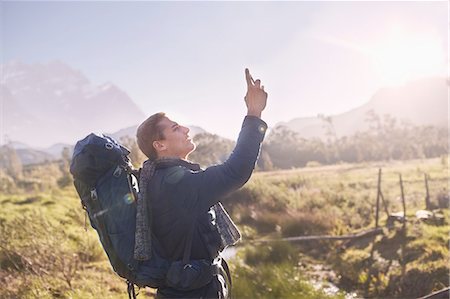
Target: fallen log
x=441, y=294
x=366, y=233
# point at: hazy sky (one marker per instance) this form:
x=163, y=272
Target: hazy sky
x=188, y=58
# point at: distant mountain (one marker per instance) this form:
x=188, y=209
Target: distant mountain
x=48, y=103
x=131, y=132
x=422, y=102
x=57, y=149
x=26, y=154
x=18, y=145
x=32, y=155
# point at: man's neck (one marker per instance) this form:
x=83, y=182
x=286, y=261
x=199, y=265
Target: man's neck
x=168, y=156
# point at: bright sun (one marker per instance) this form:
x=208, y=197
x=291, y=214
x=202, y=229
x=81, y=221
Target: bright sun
x=403, y=57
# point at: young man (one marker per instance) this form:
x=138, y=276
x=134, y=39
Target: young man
x=183, y=200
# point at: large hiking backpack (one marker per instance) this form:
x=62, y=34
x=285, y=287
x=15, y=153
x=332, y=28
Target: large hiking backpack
x=107, y=185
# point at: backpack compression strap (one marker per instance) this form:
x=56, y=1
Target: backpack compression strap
x=123, y=270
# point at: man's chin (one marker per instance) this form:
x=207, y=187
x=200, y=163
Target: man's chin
x=194, y=146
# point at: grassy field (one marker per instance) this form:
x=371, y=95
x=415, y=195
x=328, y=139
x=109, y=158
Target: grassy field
x=45, y=251
x=341, y=199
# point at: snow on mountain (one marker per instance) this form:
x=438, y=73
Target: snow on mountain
x=48, y=103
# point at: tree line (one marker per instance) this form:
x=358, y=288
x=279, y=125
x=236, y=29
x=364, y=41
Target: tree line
x=387, y=139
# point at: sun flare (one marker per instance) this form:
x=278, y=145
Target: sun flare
x=403, y=57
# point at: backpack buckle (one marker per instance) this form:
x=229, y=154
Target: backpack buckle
x=187, y=266
x=94, y=194
x=109, y=146
x=117, y=171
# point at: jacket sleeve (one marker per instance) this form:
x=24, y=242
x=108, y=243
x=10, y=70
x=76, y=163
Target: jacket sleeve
x=218, y=180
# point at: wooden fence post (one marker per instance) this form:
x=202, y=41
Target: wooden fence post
x=403, y=201
x=384, y=203
x=378, y=198
x=427, y=197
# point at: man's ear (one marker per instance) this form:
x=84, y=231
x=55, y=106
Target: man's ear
x=159, y=146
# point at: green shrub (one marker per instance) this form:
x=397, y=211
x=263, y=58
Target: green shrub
x=304, y=223
x=65, y=181
x=274, y=253
x=351, y=264
x=313, y=164
x=274, y=281
x=266, y=222
x=417, y=282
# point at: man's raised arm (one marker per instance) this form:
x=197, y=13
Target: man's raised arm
x=218, y=180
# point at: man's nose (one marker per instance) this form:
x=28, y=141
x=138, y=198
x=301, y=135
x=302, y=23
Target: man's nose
x=186, y=130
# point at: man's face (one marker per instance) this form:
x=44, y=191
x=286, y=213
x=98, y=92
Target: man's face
x=176, y=142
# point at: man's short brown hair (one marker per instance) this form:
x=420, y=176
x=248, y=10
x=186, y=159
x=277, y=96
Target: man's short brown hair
x=150, y=131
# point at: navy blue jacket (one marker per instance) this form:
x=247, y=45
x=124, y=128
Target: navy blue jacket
x=180, y=196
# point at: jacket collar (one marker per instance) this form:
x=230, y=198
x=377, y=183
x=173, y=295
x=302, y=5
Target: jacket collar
x=170, y=162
